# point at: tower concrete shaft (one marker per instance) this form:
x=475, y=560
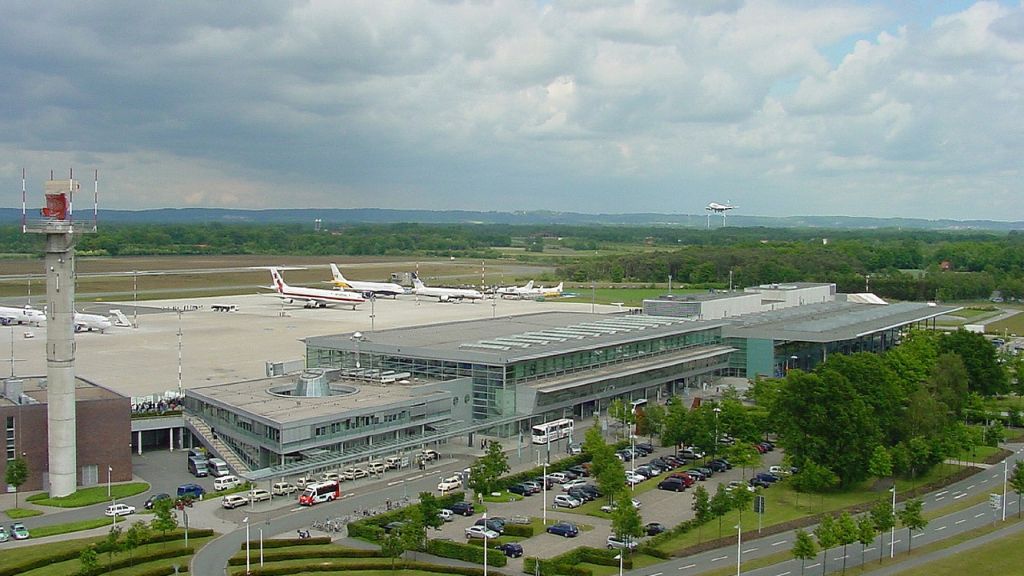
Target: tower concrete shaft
x=60, y=361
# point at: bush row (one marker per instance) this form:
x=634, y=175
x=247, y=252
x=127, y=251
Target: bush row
x=465, y=552
x=73, y=554
x=556, y=466
x=523, y=530
x=372, y=527
x=569, y=562
x=149, y=557
x=300, y=552
x=356, y=566
x=288, y=542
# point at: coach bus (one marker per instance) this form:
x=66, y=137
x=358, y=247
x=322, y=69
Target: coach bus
x=320, y=492
x=552, y=431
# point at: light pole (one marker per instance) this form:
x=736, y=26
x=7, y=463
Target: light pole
x=717, y=411
x=544, y=487
x=357, y=338
x=892, y=533
x=110, y=470
x=485, y=543
x=739, y=547
x=632, y=461
x=261, y=547
x=246, y=520
x=1004, y=488
x=373, y=300
x=794, y=359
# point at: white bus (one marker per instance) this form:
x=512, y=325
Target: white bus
x=551, y=431
x=320, y=492
x=637, y=406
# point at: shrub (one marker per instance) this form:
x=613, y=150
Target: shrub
x=299, y=553
x=358, y=566
x=465, y=552
x=522, y=530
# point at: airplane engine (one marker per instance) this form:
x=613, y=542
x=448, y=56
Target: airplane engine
x=444, y=299
x=288, y=301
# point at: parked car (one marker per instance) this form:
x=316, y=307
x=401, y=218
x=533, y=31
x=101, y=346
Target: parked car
x=19, y=532
x=735, y=484
x=393, y=526
x=375, y=467
x=759, y=483
x=535, y=487
x=590, y=489
x=450, y=483
x=608, y=508
x=259, y=495
x=647, y=446
x=675, y=461
x=654, y=528
x=462, y=508
x=227, y=482
x=4, y=536
x=396, y=462
x=566, y=501
x=767, y=477
x=301, y=482
x=580, y=494
x=708, y=472
x=672, y=484
x=328, y=476
x=232, y=501
x=686, y=478
x=697, y=474
x=779, y=471
x=283, y=488
x=521, y=489
x=480, y=532
x=717, y=466
x=624, y=455
x=580, y=471
x=511, y=549
x=613, y=542
x=119, y=510
x=497, y=524
x=560, y=477
x=575, y=448
x=194, y=491
x=660, y=464
x=691, y=453
x=728, y=465
x=572, y=484
x=445, y=515
x=152, y=500
x=428, y=455
x=634, y=479
x=647, y=471
x=567, y=529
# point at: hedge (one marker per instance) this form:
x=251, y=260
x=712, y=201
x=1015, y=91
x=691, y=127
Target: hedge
x=287, y=542
x=523, y=530
x=372, y=527
x=356, y=566
x=149, y=557
x=300, y=553
x=464, y=552
x=568, y=564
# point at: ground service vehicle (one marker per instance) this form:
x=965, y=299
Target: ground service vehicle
x=198, y=468
x=320, y=492
x=226, y=482
x=552, y=431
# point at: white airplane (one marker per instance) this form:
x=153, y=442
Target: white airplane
x=444, y=294
x=516, y=291
x=551, y=292
x=26, y=315
x=367, y=289
x=90, y=322
x=312, y=297
x=720, y=208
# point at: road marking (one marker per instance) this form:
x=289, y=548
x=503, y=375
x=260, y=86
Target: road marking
x=749, y=550
x=971, y=486
x=939, y=498
x=940, y=528
x=960, y=521
x=985, y=480
x=842, y=557
x=979, y=514
x=687, y=566
x=918, y=535
x=959, y=496
x=296, y=509
x=779, y=543
x=943, y=493
x=783, y=574
x=719, y=558
x=410, y=478
x=657, y=574
x=813, y=565
x=869, y=549
x=396, y=482
x=897, y=541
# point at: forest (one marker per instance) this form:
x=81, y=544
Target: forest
x=899, y=264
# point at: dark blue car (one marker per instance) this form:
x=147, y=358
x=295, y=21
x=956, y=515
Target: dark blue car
x=567, y=529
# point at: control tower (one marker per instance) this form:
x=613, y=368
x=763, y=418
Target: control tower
x=57, y=223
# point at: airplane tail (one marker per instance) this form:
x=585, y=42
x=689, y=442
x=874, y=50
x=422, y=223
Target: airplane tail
x=529, y=285
x=559, y=287
x=338, y=277
x=279, y=284
x=416, y=282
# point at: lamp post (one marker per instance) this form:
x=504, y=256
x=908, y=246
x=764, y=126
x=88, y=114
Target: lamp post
x=892, y=533
x=632, y=461
x=357, y=338
x=739, y=547
x=110, y=470
x=261, y=547
x=1004, y=488
x=485, y=543
x=246, y=520
x=544, y=487
x=717, y=411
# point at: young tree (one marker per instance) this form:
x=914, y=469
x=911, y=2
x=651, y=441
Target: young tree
x=880, y=465
x=865, y=534
x=701, y=508
x=485, y=472
x=804, y=548
x=89, y=560
x=429, y=509
x=846, y=533
x=16, y=475
x=883, y=518
x=654, y=421
x=744, y=455
x=912, y=519
x=627, y=525
x=674, y=430
x=1017, y=481
x=392, y=547
x=163, y=518
x=133, y=538
x=111, y=544
x=827, y=538
x=413, y=533
x=721, y=503
x=619, y=411
x=611, y=477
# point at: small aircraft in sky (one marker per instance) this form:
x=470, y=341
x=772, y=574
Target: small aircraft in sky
x=311, y=297
x=720, y=208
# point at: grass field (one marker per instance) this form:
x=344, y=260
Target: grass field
x=90, y=496
x=1013, y=325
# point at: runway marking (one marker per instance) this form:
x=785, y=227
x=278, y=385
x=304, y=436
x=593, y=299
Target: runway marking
x=959, y=496
x=749, y=550
x=979, y=514
x=719, y=558
x=958, y=522
x=687, y=566
x=779, y=543
x=940, y=528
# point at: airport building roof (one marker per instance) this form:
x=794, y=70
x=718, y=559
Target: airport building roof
x=514, y=338
x=34, y=391
x=831, y=321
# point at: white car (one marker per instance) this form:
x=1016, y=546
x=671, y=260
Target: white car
x=446, y=515
x=326, y=476
x=480, y=532
x=633, y=479
x=119, y=510
x=614, y=543
x=259, y=495
x=572, y=484
x=450, y=483
x=558, y=477
x=232, y=501
x=283, y=488
x=566, y=501
x=778, y=470
x=609, y=507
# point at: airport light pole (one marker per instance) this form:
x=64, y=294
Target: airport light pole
x=1004, y=487
x=110, y=470
x=717, y=411
x=373, y=300
x=544, y=487
x=739, y=547
x=246, y=521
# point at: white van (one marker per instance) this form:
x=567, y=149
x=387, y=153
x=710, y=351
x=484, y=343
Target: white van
x=226, y=482
x=396, y=462
x=375, y=467
x=218, y=467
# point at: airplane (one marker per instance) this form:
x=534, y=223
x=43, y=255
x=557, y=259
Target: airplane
x=516, y=291
x=26, y=315
x=552, y=292
x=444, y=294
x=90, y=322
x=720, y=208
x=367, y=289
x=311, y=297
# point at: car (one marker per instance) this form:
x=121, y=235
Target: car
x=624, y=455
x=734, y=484
x=232, y=501
x=717, y=466
x=4, y=536
x=608, y=508
x=355, y=473
x=227, y=482
x=376, y=467
x=579, y=471
x=283, y=488
x=559, y=477
x=511, y=549
x=779, y=471
x=521, y=489
x=19, y=532
x=645, y=446
x=480, y=532
x=393, y=526
x=462, y=508
x=497, y=524
x=634, y=479
x=566, y=501
x=675, y=461
x=708, y=472
x=194, y=491
x=535, y=487
x=259, y=495
x=428, y=455
x=654, y=528
x=673, y=484
x=575, y=448
x=449, y=483
x=726, y=440
x=760, y=448
x=542, y=481
x=567, y=529
x=660, y=464
x=686, y=478
x=692, y=453
x=396, y=462
x=446, y=515
x=328, y=476
x=613, y=543
x=758, y=483
x=119, y=510
x=152, y=500
x=767, y=477
x=697, y=474
x=302, y=481
x=728, y=465
x=590, y=489
x=647, y=471
x=572, y=484
x=580, y=494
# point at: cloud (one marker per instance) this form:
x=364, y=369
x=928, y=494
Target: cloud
x=782, y=106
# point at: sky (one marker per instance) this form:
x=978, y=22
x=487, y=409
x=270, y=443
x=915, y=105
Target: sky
x=912, y=108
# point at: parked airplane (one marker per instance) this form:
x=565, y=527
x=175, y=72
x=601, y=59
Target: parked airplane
x=26, y=315
x=516, y=291
x=444, y=294
x=367, y=289
x=90, y=322
x=312, y=297
x=551, y=292
x=720, y=208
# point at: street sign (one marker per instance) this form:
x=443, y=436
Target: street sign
x=759, y=504
x=995, y=501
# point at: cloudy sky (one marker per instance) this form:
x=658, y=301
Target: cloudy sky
x=784, y=107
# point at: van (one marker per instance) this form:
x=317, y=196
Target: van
x=198, y=468
x=198, y=452
x=194, y=491
x=396, y=462
x=226, y=482
x=218, y=467
x=375, y=467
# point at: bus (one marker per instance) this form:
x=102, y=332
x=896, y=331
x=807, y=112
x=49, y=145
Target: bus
x=320, y=492
x=551, y=431
x=637, y=406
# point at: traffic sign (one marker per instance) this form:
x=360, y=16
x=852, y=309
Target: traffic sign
x=995, y=501
x=759, y=504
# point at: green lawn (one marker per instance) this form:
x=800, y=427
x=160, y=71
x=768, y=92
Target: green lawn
x=90, y=496
x=31, y=553
x=1013, y=325
x=18, y=513
x=633, y=297
x=54, y=529
x=504, y=497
